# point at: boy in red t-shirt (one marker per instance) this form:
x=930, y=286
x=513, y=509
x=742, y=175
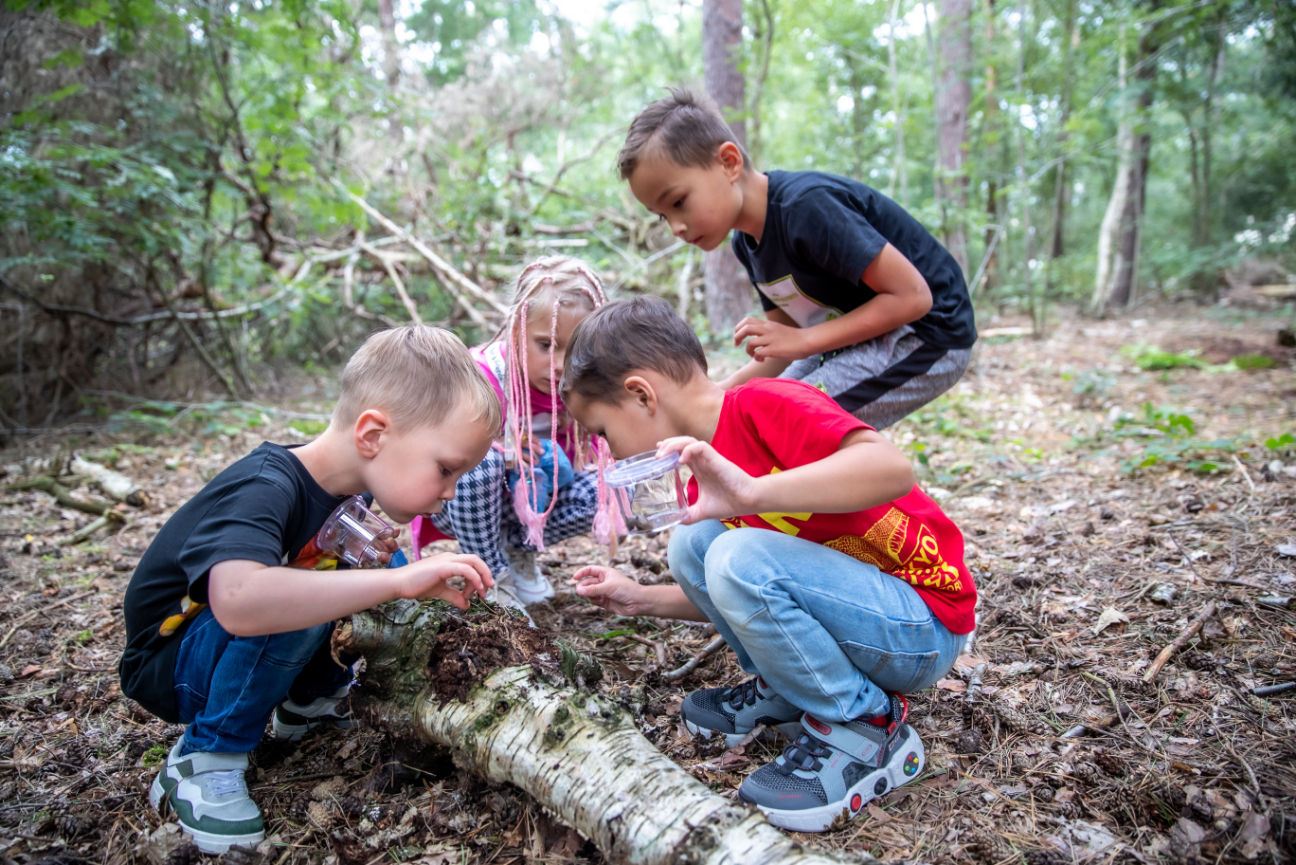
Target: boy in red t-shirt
x=836, y=581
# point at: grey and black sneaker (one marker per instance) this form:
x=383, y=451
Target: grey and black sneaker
x=293, y=719
x=210, y=799
x=832, y=770
x=735, y=712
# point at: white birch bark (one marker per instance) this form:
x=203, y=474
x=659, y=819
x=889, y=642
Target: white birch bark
x=1120, y=194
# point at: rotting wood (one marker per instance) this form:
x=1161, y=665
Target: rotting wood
x=577, y=753
x=115, y=485
x=1178, y=643
x=61, y=495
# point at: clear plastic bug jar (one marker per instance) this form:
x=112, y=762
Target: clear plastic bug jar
x=648, y=491
x=356, y=535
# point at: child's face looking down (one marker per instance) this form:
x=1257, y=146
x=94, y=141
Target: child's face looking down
x=540, y=341
x=633, y=426
x=411, y=472
x=701, y=205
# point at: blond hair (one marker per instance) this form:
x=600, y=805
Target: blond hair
x=418, y=375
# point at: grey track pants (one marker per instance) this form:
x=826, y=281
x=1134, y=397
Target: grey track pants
x=884, y=379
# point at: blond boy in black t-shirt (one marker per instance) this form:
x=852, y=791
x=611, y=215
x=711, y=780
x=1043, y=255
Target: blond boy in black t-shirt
x=221, y=634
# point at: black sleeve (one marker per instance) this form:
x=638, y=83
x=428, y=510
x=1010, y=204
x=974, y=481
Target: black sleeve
x=250, y=521
x=825, y=228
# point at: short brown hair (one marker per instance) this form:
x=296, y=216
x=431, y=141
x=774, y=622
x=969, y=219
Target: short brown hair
x=627, y=335
x=418, y=374
x=688, y=127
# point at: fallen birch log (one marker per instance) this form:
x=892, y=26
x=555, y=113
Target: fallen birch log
x=115, y=485
x=577, y=753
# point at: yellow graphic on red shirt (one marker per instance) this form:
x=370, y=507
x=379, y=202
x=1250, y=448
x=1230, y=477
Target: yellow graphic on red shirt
x=188, y=609
x=777, y=519
x=894, y=544
x=911, y=554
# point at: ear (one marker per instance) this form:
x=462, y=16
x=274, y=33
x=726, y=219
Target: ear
x=641, y=391
x=731, y=160
x=370, y=429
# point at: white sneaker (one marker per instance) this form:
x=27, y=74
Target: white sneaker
x=530, y=585
x=293, y=719
x=210, y=797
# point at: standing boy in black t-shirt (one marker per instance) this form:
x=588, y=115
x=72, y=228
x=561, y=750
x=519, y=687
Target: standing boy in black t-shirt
x=860, y=300
x=222, y=631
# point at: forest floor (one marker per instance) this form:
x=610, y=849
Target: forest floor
x=1097, y=530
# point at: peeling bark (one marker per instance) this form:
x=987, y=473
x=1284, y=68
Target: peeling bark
x=578, y=754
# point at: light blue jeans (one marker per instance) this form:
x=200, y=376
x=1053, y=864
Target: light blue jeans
x=828, y=632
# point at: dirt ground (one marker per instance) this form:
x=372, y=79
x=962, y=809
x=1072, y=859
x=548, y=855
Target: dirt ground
x=1105, y=507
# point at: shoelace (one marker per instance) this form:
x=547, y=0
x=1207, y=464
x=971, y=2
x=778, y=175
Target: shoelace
x=744, y=694
x=806, y=754
x=222, y=783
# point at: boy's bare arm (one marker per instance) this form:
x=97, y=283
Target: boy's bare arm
x=903, y=296
x=866, y=471
x=250, y=599
x=770, y=367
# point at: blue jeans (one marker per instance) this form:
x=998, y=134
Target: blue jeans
x=828, y=632
x=227, y=686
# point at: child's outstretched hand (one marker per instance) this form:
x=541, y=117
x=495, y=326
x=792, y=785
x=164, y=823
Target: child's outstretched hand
x=724, y=490
x=610, y=589
x=770, y=339
x=427, y=577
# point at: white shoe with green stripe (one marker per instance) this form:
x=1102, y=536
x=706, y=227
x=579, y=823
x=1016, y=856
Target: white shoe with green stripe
x=210, y=798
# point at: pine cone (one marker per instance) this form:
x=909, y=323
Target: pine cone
x=1068, y=810
x=1016, y=721
x=992, y=848
x=1086, y=772
x=1021, y=763
x=351, y=806
x=1043, y=793
x=299, y=806
x=70, y=825
x=1110, y=763
x=969, y=742
x=1047, y=856
x=1171, y=795
x=318, y=764
x=186, y=854
x=1197, y=660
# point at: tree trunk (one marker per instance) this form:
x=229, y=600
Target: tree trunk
x=1129, y=234
x=391, y=56
x=1023, y=179
x=1107, y=266
x=994, y=228
x=899, y=171
x=1059, y=178
x=577, y=753
x=728, y=290
x=953, y=103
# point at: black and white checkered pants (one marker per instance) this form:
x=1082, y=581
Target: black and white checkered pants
x=481, y=515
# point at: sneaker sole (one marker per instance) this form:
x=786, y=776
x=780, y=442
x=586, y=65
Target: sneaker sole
x=294, y=732
x=158, y=793
x=209, y=842
x=732, y=740
x=905, y=765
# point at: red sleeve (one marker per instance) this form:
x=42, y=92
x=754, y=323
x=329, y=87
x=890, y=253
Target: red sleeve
x=798, y=423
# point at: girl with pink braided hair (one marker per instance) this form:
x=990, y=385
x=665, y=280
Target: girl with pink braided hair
x=535, y=487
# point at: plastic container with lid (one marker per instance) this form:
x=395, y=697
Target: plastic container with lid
x=648, y=491
x=356, y=535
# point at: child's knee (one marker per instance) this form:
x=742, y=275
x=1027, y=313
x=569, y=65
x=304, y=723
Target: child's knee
x=688, y=549
x=729, y=565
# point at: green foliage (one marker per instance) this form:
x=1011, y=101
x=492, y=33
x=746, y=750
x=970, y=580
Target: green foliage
x=1151, y=357
x=1253, y=361
x=156, y=417
x=154, y=755
x=1091, y=386
x=308, y=427
x=1282, y=443
x=1167, y=440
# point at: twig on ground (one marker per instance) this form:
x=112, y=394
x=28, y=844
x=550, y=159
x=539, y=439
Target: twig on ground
x=1255, y=785
x=62, y=495
x=657, y=647
x=707, y=651
x=1187, y=558
x=1178, y=643
x=1271, y=690
x=974, y=682
x=1245, y=474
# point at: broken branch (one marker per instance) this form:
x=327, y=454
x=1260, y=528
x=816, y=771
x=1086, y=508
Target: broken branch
x=707, y=651
x=1178, y=643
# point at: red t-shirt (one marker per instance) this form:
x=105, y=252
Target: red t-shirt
x=770, y=425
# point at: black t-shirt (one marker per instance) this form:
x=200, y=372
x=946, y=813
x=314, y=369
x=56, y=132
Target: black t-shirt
x=264, y=508
x=823, y=231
